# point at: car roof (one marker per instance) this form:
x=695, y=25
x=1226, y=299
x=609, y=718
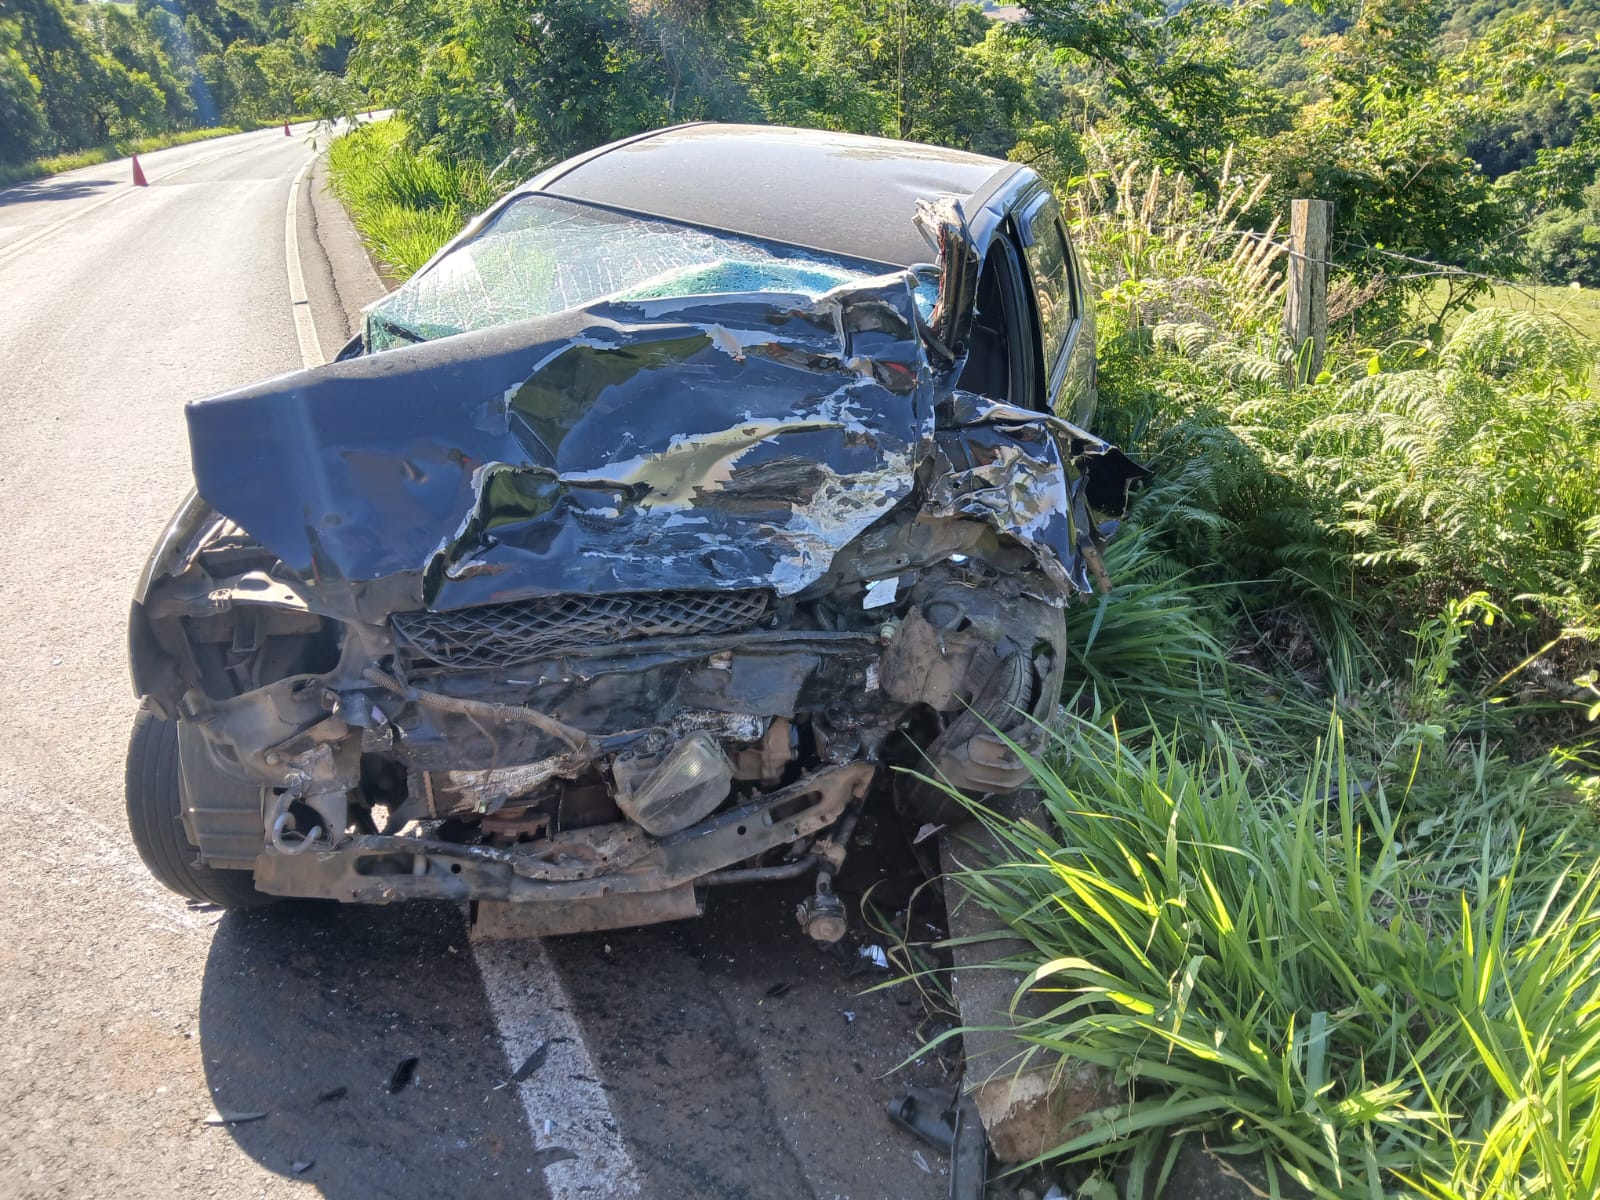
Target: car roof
x=840, y=193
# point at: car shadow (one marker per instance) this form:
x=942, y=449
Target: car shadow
x=46, y=189
x=309, y=1013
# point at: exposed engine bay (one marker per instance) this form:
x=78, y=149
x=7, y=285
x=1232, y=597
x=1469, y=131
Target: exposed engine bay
x=596, y=612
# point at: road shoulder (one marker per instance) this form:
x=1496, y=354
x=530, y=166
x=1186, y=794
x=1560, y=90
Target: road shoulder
x=340, y=278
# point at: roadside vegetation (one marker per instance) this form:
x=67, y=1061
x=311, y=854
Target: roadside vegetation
x=405, y=205
x=54, y=164
x=81, y=83
x=1319, y=876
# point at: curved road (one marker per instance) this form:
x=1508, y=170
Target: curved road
x=667, y=1068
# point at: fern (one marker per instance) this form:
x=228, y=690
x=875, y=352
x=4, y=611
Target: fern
x=1406, y=478
x=1531, y=348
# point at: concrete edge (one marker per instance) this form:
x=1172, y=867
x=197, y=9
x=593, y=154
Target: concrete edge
x=340, y=277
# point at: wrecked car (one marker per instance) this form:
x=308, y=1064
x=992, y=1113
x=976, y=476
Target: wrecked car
x=696, y=486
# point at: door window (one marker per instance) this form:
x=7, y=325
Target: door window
x=1050, y=262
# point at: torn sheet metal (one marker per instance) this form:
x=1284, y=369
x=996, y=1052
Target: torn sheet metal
x=1054, y=487
x=729, y=441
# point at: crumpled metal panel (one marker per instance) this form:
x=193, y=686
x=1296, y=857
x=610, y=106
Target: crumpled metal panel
x=718, y=441
x=1054, y=487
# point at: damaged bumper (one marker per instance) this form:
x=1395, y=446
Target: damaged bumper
x=601, y=610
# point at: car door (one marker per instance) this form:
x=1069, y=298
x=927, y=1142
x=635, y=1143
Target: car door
x=1066, y=322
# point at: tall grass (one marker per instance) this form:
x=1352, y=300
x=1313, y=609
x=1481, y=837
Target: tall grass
x=407, y=203
x=1312, y=879
x=1365, y=951
x=1287, y=964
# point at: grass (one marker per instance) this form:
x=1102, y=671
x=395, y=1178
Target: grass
x=38, y=168
x=1577, y=307
x=406, y=204
x=1302, y=964
x=1317, y=875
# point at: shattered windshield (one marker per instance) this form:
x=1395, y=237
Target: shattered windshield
x=544, y=255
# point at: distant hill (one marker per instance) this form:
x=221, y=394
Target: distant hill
x=1273, y=47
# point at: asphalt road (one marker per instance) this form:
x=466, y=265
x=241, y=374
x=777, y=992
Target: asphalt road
x=130, y=1015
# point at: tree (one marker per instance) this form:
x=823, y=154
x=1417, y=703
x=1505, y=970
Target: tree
x=262, y=81
x=1387, y=140
x=1169, y=72
x=22, y=116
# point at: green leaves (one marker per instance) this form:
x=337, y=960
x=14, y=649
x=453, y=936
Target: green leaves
x=1256, y=957
x=406, y=204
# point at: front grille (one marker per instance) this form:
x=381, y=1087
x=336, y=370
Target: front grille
x=499, y=635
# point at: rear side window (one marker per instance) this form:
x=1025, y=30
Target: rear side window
x=1050, y=263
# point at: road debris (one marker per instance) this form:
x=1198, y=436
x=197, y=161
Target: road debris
x=948, y=1121
x=930, y=1113
x=221, y=1117
x=301, y=1166
x=402, y=1074
x=332, y=1094
x=876, y=956
x=535, y=1060
x=778, y=989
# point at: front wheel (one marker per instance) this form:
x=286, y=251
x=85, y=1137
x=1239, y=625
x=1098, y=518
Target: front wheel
x=155, y=818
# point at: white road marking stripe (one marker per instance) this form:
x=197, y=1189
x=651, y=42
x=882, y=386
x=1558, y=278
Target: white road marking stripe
x=530, y=1009
x=526, y=1000
x=22, y=244
x=305, y=329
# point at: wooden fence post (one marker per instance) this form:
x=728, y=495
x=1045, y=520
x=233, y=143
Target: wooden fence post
x=1305, y=312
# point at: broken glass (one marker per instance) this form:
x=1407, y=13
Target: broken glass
x=544, y=255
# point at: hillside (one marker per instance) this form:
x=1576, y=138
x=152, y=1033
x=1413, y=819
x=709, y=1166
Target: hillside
x=1274, y=48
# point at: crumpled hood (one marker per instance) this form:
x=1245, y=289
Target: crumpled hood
x=719, y=441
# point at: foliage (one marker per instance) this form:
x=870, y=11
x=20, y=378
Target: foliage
x=1373, y=107
x=76, y=76
x=407, y=205
x=1387, y=135
x=1564, y=243
x=1170, y=72
x=1368, y=970
x=1419, y=471
x=1425, y=472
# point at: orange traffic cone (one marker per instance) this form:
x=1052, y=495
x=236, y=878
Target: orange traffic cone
x=138, y=175
x=286, y=132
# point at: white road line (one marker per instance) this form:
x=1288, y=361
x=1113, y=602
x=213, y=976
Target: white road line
x=563, y=1095
x=17, y=247
x=305, y=329
x=568, y=1114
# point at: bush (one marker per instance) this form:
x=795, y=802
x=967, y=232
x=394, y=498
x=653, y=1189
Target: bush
x=1307, y=882
x=407, y=203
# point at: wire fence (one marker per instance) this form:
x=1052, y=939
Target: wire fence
x=1416, y=268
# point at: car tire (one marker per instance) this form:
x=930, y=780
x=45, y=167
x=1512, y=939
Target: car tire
x=155, y=818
